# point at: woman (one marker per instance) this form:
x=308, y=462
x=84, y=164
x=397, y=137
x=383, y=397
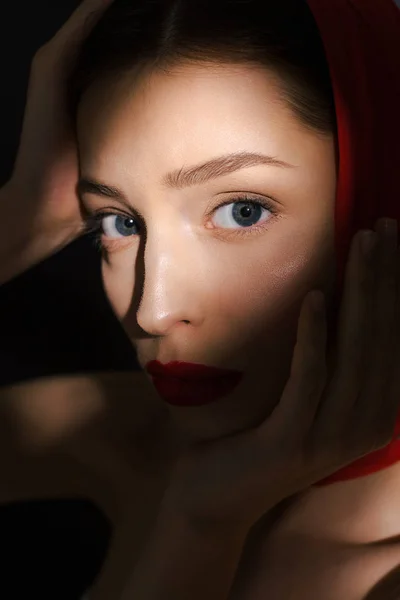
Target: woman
x=214, y=140
x=159, y=91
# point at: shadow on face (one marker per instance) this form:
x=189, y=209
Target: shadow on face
x=217, y=214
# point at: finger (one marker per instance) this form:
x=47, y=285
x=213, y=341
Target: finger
x=352, y=337
x=391, y=403
x=299, y=402
x=64, y=46
x=381, y=347
x=82, y=20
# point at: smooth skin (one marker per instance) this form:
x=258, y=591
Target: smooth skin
x=47, y=236
x=321, y=422
x=188, y=281
x=221, y=489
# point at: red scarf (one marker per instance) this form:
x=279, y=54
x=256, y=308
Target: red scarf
x=362, y=45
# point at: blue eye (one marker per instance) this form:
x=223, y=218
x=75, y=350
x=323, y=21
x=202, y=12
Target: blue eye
x=239, y=217
x=244, y=214
x=118, y=226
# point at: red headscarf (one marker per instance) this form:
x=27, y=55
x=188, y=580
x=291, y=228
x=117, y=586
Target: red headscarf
x=362, y=45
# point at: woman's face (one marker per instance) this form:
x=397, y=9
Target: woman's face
x=194, y=276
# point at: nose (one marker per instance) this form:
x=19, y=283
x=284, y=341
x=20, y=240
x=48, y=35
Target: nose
x=171, y=285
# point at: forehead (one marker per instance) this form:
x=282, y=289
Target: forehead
x=194, y=111
x=186, y=93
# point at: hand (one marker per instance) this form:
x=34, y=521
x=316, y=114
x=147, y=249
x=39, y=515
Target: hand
x=40, y=198
x=322, y=422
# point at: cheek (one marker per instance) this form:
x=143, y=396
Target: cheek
x=261, y=300
x=269, y=292
x=262, y=290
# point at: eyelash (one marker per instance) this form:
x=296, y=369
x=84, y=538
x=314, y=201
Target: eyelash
x=94, y=221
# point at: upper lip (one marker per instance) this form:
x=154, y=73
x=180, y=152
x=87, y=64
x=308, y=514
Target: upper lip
x=188, y=371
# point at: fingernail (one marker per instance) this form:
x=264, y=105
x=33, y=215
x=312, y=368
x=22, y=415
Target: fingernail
x=368, y=242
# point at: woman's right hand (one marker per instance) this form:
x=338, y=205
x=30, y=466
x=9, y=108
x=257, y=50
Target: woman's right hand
x=328, y=416
x=40, y=209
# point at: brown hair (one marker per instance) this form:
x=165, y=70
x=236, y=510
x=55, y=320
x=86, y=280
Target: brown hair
x=279, y=34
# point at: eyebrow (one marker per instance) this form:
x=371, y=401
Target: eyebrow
x=217, y=167
x=190, y=176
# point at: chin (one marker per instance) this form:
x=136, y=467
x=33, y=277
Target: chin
x=210, y=423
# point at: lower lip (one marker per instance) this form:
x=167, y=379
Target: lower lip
x=180, y=392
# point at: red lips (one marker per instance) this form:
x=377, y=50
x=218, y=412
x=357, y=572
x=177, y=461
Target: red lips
x=189, y=384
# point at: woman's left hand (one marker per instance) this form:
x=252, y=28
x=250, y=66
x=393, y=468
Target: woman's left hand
x=317, y=428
